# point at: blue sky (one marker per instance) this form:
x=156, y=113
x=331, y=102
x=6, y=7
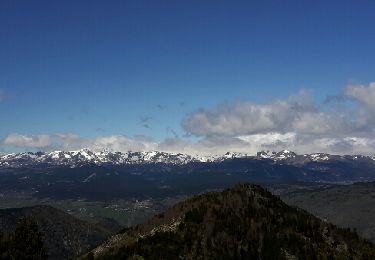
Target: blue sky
x=97, y=68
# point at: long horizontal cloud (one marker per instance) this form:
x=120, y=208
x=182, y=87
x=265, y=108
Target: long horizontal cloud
x=206, y=146
x=296, y=123
x=70, y=141
x=33, y=141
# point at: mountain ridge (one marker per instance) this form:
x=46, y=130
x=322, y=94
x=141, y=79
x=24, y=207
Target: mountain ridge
x=243, y=222
x=65, y=237
x=105, y=157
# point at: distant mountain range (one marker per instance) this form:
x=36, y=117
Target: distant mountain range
x=105, y=175
x=86, y=156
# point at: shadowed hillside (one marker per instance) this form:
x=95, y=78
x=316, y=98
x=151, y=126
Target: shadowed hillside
x=65, y=237
x=344, y=205
x=245, y=222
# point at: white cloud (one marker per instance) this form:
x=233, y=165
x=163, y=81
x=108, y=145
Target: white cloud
x=269, y=139
x=296, y=123
x=71, y=141
x=33, y=141
x=295, y=114
x=206, y=146
x=364, y=98
x=122, y=143
x=319, y=123
x=365, y=95
x=240, y=118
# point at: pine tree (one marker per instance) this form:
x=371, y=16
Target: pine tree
x=28, y=241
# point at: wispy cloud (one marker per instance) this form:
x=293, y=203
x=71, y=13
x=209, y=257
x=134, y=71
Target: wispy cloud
x=2, y=95
x=69, y=141
x=145, y=121
x=100, y=130
x=172, y=131
x=161, y=107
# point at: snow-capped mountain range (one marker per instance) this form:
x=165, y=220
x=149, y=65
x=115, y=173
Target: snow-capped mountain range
x=86, y=156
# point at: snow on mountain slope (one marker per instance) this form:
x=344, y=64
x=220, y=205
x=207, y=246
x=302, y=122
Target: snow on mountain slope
x=105, y=157
x=230, y=155
x=266, y=154
x=86, y=156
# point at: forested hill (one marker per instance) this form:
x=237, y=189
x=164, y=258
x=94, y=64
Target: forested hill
x=244, y=222
x=64, y=237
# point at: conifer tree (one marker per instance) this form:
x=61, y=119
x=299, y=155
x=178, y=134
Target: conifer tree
x=28, y=241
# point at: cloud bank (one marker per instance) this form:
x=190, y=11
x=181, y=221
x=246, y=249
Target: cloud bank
x=296, y=114
x=34, y=141
x=297, y=123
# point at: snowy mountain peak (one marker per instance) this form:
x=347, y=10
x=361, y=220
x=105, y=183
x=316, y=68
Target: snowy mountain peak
x=266, y=154
x=106, y=157
x=319, y=157
x=231, y=155
x=86, y=156
x=284, y=154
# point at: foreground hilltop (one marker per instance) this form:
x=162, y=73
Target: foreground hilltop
x=65, y=237
x=245, y=222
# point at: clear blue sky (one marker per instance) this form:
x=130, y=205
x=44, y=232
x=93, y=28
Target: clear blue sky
x=96, y=67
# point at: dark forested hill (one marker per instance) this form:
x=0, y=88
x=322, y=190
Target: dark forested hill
x=64, y=236
x=245, y=222
x=344, y=205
